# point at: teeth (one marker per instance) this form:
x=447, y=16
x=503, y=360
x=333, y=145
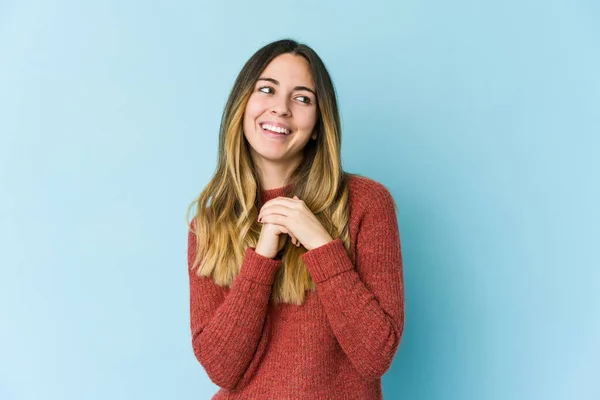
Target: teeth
x=275, y=129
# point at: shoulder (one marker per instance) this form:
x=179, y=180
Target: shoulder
x=368, y=194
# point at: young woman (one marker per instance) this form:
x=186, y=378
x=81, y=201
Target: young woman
x=295, y=266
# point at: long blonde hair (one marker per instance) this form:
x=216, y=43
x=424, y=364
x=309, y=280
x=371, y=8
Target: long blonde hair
x=227, y=208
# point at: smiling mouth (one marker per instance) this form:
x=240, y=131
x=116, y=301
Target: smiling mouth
x=275, y=129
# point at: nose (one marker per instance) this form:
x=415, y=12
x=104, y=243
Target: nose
x=280, y=107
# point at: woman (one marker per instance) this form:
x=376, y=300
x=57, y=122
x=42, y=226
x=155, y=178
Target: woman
x=295, y=267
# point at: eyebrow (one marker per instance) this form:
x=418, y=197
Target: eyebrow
x=276, y=82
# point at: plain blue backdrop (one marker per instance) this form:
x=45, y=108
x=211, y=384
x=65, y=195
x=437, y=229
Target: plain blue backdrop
x=482, y=118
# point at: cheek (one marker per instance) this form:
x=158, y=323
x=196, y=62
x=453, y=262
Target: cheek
x=250, y=114
x=307, y=119
x=254, y=108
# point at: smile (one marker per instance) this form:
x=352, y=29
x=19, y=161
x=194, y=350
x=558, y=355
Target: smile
x=275, y=129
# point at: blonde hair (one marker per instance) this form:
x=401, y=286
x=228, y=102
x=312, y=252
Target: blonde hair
x=227, y=208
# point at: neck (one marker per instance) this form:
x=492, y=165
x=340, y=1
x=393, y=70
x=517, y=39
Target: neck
x=274, y=175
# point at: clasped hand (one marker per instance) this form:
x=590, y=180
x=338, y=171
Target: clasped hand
x=297, y=218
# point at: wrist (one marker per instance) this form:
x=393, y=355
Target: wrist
x=262, y=253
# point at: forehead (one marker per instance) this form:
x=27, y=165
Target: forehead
x=289, y=69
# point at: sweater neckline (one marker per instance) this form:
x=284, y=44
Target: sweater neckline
x=269, y=194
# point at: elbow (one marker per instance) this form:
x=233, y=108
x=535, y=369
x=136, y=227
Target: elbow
x=377, y=363
x=373, y=373
x=216, y=369
x=374, y=369
x=222, y=381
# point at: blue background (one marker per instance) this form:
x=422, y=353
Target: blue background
x=482, y=118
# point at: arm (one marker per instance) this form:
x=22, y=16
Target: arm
x=364, y=305
x=227, y=324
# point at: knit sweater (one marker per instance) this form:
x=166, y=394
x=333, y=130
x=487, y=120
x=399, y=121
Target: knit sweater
x=337, y=344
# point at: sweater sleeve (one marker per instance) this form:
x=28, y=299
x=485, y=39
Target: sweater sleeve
x=228, y=325
x=364, y=303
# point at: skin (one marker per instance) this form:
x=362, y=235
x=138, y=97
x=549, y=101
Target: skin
x=297, y=218
x=284, y=94
x=280, y=103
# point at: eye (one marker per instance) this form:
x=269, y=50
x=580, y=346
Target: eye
x=304, y=99
x=266, y=89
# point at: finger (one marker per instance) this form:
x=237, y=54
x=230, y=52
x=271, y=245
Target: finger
x=274, y=219
x=284, y=229
x=275, y=209
x=282, y=201
x=293, y=238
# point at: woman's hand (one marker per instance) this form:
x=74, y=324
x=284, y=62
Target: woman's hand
x=272, y=239
x=297, y=219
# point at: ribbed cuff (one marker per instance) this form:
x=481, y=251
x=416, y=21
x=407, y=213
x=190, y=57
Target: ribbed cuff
x=327, y=260
x=258, y=268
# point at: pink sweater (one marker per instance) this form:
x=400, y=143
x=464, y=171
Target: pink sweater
x=338, y=344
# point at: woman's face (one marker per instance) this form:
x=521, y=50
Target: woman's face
x=282, y=110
